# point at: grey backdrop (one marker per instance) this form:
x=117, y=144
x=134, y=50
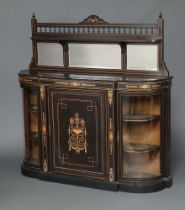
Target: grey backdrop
x=18, y=192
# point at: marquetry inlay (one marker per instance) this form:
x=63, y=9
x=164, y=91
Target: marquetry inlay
x=144, y=85
x=110, y=137
x=77, y=134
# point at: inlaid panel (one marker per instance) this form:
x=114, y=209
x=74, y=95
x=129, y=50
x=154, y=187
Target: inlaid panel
x=78, y=125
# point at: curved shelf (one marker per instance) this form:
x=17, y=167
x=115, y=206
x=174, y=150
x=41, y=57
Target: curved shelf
x=33, y=108
x=34, y=161
x=140, y=175
x=140, y=117
x=140, y=148
x=33, y=136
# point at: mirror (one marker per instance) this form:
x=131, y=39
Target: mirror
x=95, y=55
x=50, y=54
x=142, y=57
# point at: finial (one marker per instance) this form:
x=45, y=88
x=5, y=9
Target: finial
x=160, y=15
x=33, y=15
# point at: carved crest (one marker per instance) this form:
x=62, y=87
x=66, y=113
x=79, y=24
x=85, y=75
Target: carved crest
x=93, y=19
x=77, y=134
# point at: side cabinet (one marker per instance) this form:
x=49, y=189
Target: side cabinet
x=143, y=127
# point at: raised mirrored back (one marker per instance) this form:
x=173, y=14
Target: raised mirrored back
x=140, y=57
x=106, y=56
x=50, y=54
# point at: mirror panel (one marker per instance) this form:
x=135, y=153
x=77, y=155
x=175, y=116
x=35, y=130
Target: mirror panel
x=142, y=57
x=50, y=54
x=95, y=55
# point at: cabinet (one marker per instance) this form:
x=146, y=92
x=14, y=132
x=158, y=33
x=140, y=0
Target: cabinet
x=92, y=122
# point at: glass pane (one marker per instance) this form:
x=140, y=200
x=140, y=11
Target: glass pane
x=33, y=98
x=142, y=57
x=35, y=150
x=32, y=141
x=95, y=55
x=34, y=124
x=33, y=113
x=50, y=54
x=141, y=136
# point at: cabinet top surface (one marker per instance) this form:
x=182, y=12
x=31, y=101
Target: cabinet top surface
x=122, y=78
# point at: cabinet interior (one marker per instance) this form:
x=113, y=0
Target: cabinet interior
x=33, y=148
x=141, y=136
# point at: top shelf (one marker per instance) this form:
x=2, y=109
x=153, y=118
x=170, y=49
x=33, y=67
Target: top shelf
x=140, y=117
x=94, y=28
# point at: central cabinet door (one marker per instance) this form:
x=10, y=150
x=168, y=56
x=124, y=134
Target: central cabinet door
x=78, y=132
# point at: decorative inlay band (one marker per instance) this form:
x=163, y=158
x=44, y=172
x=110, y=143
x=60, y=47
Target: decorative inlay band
x=110, y=137
x=44, y=129
x=75, y=84
x=144, y=86
x=110, y=93
x=45, y=165
x=111, y=175
x=42, y=89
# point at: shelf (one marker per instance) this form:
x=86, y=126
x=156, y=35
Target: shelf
x=33, y=108
x=34, y=161
x=140, y=175
x=140, y=148
x=140, y=117
x=34, y=136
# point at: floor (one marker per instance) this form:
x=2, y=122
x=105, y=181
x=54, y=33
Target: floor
x=22, y=193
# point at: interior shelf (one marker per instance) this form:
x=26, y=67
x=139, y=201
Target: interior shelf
x=140, y=175
x=34, y=161
x=140, y=117
x=33, y=136
x=140, y=148
x=33, y=108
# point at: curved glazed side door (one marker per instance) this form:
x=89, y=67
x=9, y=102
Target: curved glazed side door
x=141, y=134
x=32, y=157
